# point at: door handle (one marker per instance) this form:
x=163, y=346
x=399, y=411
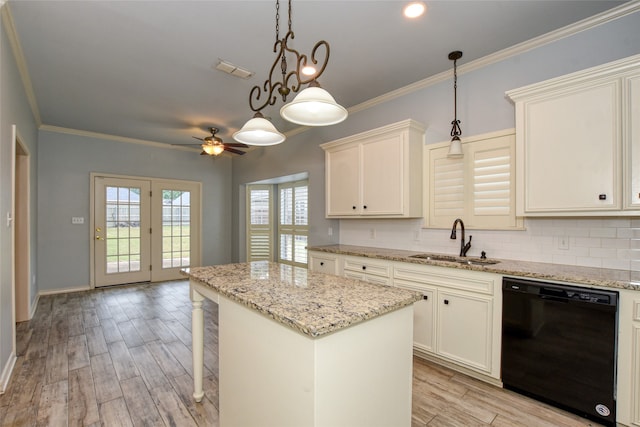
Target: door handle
x=99, y=238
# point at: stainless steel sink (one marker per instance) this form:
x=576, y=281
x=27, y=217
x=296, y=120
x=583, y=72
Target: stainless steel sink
x=455, y=259
x=436, y=257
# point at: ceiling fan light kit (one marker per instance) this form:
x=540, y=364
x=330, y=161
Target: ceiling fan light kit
x=313, y=106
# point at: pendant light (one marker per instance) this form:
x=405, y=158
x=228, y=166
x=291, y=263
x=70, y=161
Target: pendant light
x=313, y=106
x=455, y=146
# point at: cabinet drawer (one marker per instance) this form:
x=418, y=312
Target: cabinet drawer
x=368, y=267
x=324, y=265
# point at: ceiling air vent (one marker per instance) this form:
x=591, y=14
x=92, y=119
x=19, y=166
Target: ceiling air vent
x=234, y=70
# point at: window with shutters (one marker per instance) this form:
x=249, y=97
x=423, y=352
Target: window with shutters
x=293, y=223
x=259, y=222
x=278, y=222
x=479, y=188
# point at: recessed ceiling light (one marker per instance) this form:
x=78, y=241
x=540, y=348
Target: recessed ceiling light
x=414, y=9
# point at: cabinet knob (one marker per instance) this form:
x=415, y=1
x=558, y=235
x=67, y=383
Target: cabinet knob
x=446, y=302
x=322, y=263
x=425, y=297
x=602, y=197
x=364, y=267
x=365, y=206
x=353, y=207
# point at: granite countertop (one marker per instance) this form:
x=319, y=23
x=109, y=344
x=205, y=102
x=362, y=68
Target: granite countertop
x=621, y=279
x=314, y=304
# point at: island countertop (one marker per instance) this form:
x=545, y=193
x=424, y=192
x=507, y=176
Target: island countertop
x=313, y=304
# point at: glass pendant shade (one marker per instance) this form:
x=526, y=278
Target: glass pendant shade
x=259, y=131
x=213, y=149
x=314, y=106
x=455, y=148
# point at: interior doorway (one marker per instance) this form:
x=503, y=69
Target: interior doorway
x=21, y=234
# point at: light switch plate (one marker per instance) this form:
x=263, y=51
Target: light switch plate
x=77, y=220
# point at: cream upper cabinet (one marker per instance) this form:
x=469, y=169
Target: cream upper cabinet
x=376, y=174
x=571, y=134
x=631, y=99
x=479, y=187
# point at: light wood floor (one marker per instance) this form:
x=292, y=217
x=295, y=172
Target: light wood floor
x=122, y=356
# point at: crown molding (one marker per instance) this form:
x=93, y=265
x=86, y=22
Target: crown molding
x=21, y=63
x=550, y=37
x=98, y=135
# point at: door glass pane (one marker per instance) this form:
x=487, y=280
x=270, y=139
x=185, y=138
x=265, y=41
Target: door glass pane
x=176, y=228
x=123, y=229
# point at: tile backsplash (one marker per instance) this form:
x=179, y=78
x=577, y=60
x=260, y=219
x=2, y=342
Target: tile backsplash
x=593, y=242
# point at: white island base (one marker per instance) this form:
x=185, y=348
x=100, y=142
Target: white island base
x=271, y=375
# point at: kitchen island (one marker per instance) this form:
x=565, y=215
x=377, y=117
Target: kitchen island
x=298, y=348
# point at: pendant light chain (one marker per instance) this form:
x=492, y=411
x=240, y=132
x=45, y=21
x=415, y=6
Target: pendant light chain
x=455, y=129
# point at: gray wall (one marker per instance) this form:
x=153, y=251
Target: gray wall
x=14, y=109
x=483, y=107
x=65, y=163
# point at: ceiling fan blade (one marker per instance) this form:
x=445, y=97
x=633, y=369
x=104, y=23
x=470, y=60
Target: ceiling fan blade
x=236, y=144
x=204, y=153
x=234, y=151
x=199, y=139
x=186, y=145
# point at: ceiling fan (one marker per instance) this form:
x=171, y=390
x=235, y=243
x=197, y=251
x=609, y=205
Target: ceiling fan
x=213, y=145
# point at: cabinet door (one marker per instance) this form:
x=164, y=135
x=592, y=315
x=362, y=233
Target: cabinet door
x=343, y=181
x=423, y=316
x=632, y=126
x=382, y=180
x=571, y=149
x=464, y=329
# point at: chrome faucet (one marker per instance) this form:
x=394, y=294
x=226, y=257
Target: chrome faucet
x=464, y=247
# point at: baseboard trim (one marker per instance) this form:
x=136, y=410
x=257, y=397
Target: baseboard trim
x=7, y=371
x=63, y=291
x=454, y=366
x=34, y=307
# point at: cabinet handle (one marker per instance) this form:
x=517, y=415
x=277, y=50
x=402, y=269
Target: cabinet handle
x=353, y=207
x=364, y=267
x=365, y=206
x=425, y=297
x=322, y=263
x=602, y=197
x=446, y=302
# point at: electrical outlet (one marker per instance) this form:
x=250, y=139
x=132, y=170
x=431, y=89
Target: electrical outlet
x=563, y=243
x=372, y=233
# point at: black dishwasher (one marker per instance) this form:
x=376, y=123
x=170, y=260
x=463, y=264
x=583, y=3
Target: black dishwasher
x=559, y=346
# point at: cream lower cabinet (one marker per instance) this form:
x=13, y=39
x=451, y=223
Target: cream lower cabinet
x=458, y=321
x=628, y=387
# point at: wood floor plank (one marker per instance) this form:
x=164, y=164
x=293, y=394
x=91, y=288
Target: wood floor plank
x=110, y=331
x=161, y=330
x=183, y=354
x=104, y=377
x=95, y=341
x=20, y=416
x=57, y=363
x=75, y=324
x=205, y=412
x=52, y=409
x=59, y=331
x=144, y=330
x=28, y=381
x=148, y=367
x=90, y=318
x=78, y=352
x=171, y=408
x=83, y=406
x=141, y=406
x=167, y=362
x=130, y=335
x=23, y=339
x=39, y=343
x=123, y=363
x=179, y=331
x=114, y=413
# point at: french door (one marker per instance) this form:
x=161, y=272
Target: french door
x=144, y=229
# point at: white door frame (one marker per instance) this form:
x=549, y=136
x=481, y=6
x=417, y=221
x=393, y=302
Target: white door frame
x=21, y=214
x=197, y=211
